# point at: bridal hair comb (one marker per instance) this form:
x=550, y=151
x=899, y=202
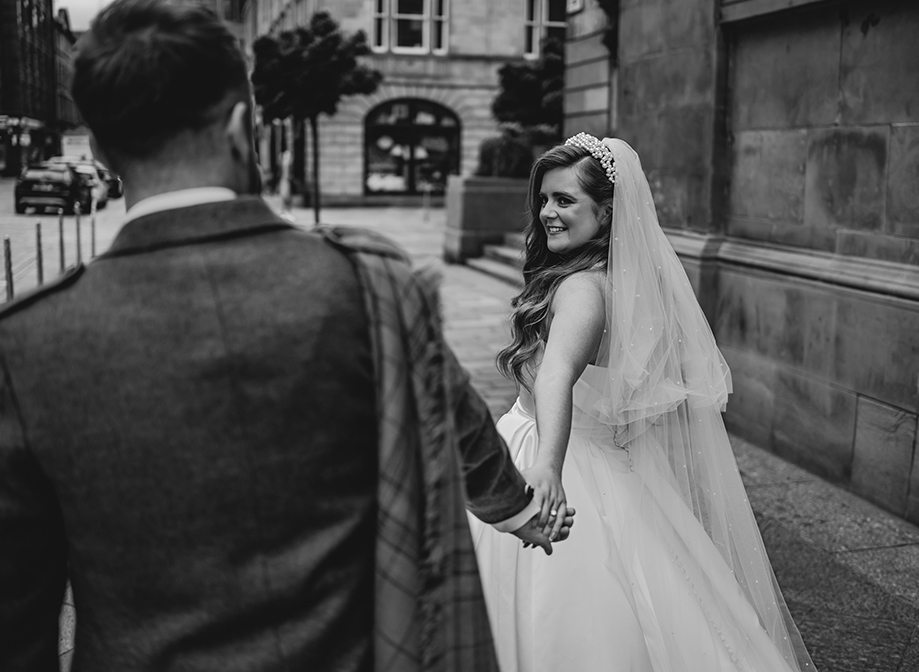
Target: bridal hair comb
x=598, y=150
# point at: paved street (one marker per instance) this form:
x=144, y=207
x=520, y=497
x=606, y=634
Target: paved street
x=849, y=571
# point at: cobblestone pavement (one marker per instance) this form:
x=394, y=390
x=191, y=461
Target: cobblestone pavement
x=849, y=571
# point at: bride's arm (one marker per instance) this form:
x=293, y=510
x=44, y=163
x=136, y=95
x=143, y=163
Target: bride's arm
x=577, y=319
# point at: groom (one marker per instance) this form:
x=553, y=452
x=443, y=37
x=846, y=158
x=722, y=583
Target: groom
x=246, y=445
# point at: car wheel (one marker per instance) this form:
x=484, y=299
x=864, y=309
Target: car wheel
x=20, y=208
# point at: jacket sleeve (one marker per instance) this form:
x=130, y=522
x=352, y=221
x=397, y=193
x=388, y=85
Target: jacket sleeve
x=33, y=563
x=495, y=490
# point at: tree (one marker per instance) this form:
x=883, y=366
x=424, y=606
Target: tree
x=305, y=72
x=532, y=93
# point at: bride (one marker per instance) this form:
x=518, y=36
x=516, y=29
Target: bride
x=619, y=414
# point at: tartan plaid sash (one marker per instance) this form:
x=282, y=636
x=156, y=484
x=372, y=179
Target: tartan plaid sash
x=429, y=609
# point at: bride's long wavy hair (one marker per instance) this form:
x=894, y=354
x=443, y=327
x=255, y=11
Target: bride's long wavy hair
x=544, y=270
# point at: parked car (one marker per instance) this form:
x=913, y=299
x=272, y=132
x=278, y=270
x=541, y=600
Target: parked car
x=48, y=185
x=115, y=188
x=98, y=186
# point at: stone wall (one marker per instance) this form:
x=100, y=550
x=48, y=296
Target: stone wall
x=590, y=79
x=818, y=284
x=781, y=140
x=828, y=107
x=667, y=103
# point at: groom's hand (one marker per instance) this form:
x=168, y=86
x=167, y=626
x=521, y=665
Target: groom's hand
x=532, y=533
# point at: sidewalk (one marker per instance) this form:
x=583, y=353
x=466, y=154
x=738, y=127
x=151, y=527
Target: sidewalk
x=849, y=571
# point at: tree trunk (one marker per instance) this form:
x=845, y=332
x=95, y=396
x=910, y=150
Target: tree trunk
x=314, y=127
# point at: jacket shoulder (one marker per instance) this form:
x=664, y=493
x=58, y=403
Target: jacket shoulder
x=363, y=241
x=31, y=297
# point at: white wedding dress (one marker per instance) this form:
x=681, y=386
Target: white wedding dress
x=637, y=587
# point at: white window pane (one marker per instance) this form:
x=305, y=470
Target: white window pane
x=557, y=11
x=409, y=6
x=409, y=33
x=531, y=10
x=438, y=38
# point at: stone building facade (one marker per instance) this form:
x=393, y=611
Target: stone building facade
x=27, y=82
x=439, y=60
x=781, y=141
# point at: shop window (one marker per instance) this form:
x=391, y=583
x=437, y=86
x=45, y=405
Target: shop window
x=410, y=147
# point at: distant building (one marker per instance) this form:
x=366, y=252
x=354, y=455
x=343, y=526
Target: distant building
x=439, y=59
x=28, y=90
x=66, y=116
x=781, y=140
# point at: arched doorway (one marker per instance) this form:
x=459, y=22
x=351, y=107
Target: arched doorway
x=410, y=146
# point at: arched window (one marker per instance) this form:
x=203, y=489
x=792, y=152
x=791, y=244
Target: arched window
x=410, y=146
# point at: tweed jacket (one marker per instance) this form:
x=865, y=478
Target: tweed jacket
x=188, y=430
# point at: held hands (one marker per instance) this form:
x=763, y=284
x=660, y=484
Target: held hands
x=532, y=533
x=549, y=496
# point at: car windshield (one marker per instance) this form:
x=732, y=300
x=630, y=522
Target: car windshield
x=45, y=174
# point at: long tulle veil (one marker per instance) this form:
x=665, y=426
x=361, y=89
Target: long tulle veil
x=667, y=386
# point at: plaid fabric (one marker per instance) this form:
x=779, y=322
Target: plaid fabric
x=429, y=612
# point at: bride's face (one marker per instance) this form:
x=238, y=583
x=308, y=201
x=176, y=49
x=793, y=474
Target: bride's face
x=568, y=214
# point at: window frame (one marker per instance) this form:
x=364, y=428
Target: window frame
x=539, y=23
x=385, y=39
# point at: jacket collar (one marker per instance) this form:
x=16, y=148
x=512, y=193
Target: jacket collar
x=246, y=215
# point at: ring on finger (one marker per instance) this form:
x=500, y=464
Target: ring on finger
x=553, y=512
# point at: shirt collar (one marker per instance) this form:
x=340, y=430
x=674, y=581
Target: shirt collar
x=181, y=198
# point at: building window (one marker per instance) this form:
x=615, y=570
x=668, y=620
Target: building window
x=544, y=18
x=410, y=147
x=410, y=26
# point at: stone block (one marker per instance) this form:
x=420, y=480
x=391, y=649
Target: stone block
x=814, y=424
x=588, y=49
x=681, y=199
x=593, y=99
x=640, y=31
x=786, y=73
x=903, y=180
x=912, y=496
x=788, y=321
x=846, y=179
x=751, y=313
x=897, y=249
x=595, y=123
x=879, y=78
x=793, y=235
x=688, y=23
x=669, y=79
x=480, y=210
x=767, y=175
x=587, y=74
x=883, y=454
x=751, y=408
x=876, y=350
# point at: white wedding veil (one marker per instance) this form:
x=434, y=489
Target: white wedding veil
x=666, y=387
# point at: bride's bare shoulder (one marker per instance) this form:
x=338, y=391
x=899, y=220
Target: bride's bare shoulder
x=584, y=288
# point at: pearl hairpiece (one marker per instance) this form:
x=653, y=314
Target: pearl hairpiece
x=598, y=150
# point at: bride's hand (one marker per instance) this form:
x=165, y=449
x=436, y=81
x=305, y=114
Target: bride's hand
x=549, y=495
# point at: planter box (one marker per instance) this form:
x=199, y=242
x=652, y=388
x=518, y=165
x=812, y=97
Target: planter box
x=480, y=210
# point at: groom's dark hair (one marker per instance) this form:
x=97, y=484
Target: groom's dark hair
x=148, y=69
